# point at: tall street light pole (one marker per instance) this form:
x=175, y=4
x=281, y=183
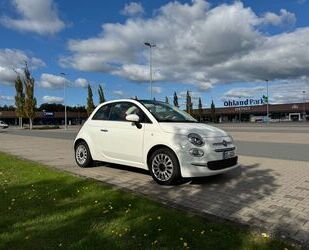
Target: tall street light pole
x=267, y=107
x=64, y=102
x=239, y=109
x=150, y=45
x=304, y=105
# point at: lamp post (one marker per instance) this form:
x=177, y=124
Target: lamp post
x=64, y=102
x=239, y=109
x=150, y=45
x=304, y=105
x=267, y=107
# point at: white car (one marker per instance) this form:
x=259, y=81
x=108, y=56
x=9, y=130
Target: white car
x=3, y=125
x=155, y=136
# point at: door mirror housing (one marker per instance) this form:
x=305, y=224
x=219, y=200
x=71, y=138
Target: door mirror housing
x=132, y=118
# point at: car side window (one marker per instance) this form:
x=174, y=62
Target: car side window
x=120, y=110
x=102, y=113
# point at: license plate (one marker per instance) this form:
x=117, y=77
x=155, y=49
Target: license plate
x=228, y=154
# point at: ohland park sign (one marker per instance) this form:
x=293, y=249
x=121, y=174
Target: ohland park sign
x=246, y=102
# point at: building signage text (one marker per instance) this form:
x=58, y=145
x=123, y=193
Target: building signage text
x=246, y=102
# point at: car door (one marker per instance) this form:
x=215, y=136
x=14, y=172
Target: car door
x=122, y=141
x=95, y=128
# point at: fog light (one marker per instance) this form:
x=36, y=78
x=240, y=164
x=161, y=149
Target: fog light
x=196, y=152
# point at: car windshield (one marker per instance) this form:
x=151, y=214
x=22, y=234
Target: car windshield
x=164, y=112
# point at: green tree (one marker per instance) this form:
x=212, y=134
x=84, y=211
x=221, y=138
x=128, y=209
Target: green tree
x=200, y=108
x=101, y=94
x=30, y=101
x=166, y=99
x=176, y=100
x=19, y=100
x=189, y=104
x=213, y=111
x=90, y=104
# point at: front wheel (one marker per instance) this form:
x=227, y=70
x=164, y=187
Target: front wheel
x=82, y=155
x=164, y=167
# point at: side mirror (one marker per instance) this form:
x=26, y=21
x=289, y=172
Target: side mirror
x=132, y=118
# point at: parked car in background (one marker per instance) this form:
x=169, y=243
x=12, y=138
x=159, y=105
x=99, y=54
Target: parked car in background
x=154, y=136
x=3, y=125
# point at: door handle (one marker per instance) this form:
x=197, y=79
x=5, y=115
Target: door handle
x=104, y=130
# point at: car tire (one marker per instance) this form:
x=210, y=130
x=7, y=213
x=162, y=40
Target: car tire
x=164, y=167
x=83, y=156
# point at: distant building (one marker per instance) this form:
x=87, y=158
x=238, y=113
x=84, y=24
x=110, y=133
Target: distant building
x=46, y=118
x=257, y=113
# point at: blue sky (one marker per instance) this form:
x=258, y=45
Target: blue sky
x=216, y=49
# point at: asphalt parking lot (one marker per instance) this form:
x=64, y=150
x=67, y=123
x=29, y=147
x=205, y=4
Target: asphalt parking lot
x=272, y=141
x=270, y=191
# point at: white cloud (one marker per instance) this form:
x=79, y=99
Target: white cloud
x=156, y=90
x=243, y=92
x=12, y=61
x=132, y=9
x=6, y=98
x=197, y=44
x=53, y=81
x=285, y=17
x=38, y=16
x=52, y=99
x=81, y=82
x=56, y=81
x=119, y=93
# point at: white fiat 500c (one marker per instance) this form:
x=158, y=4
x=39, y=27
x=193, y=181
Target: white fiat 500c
x=154, y=136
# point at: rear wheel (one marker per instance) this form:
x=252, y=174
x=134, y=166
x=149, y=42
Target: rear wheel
x=82, y=155
x=164, y=167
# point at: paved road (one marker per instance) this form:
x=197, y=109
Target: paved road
x=270, y=195
x=273, y=150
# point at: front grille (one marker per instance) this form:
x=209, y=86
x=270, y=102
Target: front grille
x=222, y=164
x=222, y=144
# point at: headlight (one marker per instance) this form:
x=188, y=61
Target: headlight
x=196, y=139
x=232, y=140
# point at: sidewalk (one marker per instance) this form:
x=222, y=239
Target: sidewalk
x=267, y=194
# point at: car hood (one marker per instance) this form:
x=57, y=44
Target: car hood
x=187, y=128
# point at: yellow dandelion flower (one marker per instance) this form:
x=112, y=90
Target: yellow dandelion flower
x=185, y=244
x=159, y=217
x=203, y=232
x=159, y=229
x=145, y=235
x=181, y=238
x=265, y=235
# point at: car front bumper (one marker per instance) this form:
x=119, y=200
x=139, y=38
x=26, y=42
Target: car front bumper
x=211, y=163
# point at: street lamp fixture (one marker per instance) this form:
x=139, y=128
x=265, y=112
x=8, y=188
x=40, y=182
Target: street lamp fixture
x=150, y=45
x=64, y=102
